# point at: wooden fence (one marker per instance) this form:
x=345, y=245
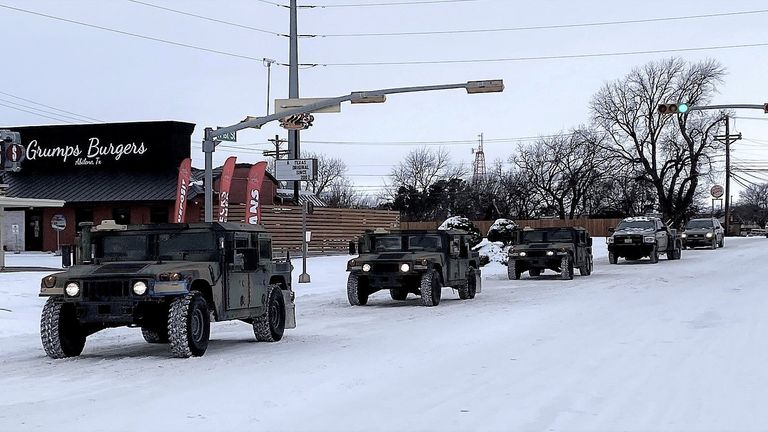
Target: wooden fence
x=332, y=228
x=596, y=227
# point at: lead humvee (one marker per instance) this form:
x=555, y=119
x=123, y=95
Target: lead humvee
x=171, y=280
x=420, y=262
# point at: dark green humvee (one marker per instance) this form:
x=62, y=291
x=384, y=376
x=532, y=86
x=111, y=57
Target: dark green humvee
x=170, y=280
x=420, y=262
x=557, y=249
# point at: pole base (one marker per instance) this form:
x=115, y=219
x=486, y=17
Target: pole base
x=304, y=278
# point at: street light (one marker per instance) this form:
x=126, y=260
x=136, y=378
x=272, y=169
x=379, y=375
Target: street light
x=268, y=63
x=210, y=143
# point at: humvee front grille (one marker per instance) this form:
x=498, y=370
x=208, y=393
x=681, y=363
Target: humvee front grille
x=106, y=289
x=386, y=267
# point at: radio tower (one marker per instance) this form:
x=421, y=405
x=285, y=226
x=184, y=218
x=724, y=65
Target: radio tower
x=479, y=165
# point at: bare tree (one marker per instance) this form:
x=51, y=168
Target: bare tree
x=423, y=167
x=341, y=194
x=673, y=151
x=329, y=171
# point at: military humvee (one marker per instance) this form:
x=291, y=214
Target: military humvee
x=420, y=262
x=557, y=249
x=171, y=280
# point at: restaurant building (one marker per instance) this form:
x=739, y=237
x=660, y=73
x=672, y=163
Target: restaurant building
x=127, y=172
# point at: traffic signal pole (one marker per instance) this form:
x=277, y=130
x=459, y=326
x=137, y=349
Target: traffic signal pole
x=294, y=146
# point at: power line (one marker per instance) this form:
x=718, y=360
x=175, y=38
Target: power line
x=535, y=58
x=34, y=113
x=41, y=110
x=136, y=35
x=272, y=3
x=203, y=17
x=51, y=107
x=547, y=27
x=395, y=3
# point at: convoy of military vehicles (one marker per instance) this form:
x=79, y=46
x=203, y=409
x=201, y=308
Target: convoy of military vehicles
x=173, y=280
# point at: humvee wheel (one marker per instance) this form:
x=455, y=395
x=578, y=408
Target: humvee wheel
x=612, y=258
x=512, y=272
x=722, y=242
x=155, y=335
x=534, y=272
x=270, y=326
x=468, y=290
x=398, y=293
x=566, y=268
x=356, y=294
x=189, y=325
x=60, y=330
x=431, y=289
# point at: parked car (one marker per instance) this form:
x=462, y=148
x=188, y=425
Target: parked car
x=703, y=232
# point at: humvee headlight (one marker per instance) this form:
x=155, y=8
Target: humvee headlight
x=550, y=253
x=49, y=281
x=405, y=267
x=366, y=267
x=425, y=262
x=649, y=239
x=72, y=289
x=709, y=235
x=523, y=254
x=139, y=288
x=683, y=235
x=353, y=263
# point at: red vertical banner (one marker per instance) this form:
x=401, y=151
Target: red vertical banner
x=255, y=179
x=225, y=181
x=182, y=186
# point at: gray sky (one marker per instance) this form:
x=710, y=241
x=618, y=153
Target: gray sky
x=116, y=77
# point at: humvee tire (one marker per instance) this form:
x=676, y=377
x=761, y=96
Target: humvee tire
x=356, y=294
x=398, y=293
x=586, y=270
x=468, y=290
x=654, y=256
x=512, y=272
x=566, y=268
x=60, y=330
x=158, y=335
x=612, y=258
x=189, y=325
x=271, y=326
x=430, y=288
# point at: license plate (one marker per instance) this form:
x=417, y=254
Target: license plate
x=627, y=240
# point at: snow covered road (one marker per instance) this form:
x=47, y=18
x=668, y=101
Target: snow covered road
x=675, y=346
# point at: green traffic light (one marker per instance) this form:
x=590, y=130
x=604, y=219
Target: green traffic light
x=682, y=108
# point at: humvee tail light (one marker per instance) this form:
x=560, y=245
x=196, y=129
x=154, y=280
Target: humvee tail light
x=49, y=281
x=405, y=268
x=366, y=267
x=72, y=289
x=139, y=288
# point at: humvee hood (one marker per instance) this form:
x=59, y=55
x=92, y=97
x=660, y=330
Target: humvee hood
x=133, y=268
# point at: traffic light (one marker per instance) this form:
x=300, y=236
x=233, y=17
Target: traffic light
x=673, y=108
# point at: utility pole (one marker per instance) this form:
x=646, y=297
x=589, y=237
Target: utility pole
x=277, y=153
x=294, y=146
x=727, y=139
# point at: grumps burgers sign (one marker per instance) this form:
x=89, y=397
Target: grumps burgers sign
x=124, y=147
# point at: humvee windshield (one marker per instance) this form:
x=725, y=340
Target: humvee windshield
x=636, y=224
x=544, y=236
x=428, y=242
x=387, y=243
x=142, y=246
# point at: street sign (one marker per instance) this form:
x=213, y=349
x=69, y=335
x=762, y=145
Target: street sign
x=15, y=228
x=58, y=222
x=230, y=136
x=286, y=104
x=717, y=191
x=296, y=169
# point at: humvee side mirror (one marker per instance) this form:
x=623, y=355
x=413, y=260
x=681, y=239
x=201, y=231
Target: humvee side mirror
x=352, y=247
x=611, y=230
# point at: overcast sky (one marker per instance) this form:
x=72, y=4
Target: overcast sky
x=115, y=77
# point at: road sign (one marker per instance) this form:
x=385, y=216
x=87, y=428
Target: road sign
x=296, y=169
x=230, y=136
x=14, y=153
x=58, y=222
x=717, y=191
x=15, y=228
x=286, y=104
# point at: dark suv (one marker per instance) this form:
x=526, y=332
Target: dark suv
x=703, y=232
x=557, y=249
x=170, y=280
x=419, y=262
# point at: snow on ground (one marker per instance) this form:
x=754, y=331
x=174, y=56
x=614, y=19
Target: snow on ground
x=675, y=346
